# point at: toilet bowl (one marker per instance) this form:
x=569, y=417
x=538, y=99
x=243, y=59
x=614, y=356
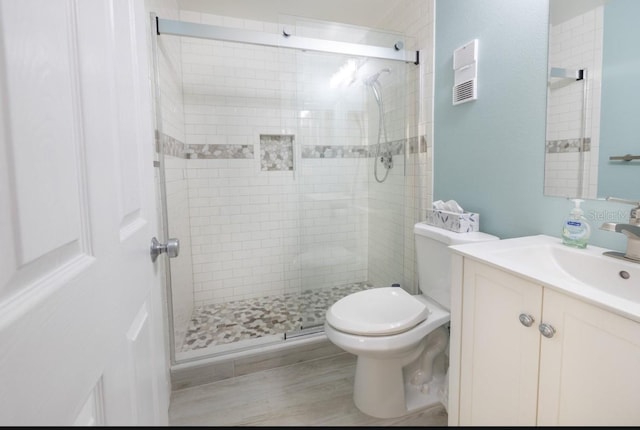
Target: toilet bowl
x=401, y=340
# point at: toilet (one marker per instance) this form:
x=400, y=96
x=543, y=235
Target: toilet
x=401, y=340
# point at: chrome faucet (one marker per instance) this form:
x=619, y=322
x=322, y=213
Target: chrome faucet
x=631, y=230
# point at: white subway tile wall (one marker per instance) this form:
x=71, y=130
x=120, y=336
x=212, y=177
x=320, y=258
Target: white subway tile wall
x=264, y=232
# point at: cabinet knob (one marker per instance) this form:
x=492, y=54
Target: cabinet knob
x=526, y=320
x=547, y=330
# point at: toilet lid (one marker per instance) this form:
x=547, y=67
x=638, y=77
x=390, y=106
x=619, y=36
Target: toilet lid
x=379, y=311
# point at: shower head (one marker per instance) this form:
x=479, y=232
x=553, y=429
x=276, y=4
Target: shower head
x=371, y=80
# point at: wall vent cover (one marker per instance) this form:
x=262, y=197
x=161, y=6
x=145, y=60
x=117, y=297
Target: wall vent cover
x=465, y=72
x=465, y=92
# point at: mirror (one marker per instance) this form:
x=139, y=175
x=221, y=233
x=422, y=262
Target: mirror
x=592, y=147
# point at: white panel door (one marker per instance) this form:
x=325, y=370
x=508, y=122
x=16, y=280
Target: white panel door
x=81, y=329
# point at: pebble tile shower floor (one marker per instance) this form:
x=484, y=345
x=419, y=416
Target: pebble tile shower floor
x=223, y=323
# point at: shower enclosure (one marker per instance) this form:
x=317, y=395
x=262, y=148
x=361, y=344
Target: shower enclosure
x=282, y=157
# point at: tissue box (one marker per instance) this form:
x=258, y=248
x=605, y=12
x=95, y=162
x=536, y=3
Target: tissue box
x=460, y=223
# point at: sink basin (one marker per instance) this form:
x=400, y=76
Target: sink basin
x=586, y=273
x=600, y=271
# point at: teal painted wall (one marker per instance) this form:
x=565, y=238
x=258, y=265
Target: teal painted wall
x=620, y=124
x=489, y=153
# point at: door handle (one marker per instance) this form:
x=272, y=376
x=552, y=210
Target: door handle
x=172, y=248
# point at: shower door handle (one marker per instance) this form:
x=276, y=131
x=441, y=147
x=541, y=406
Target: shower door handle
x=172, y=248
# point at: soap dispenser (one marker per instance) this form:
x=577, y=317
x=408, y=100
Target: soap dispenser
x=576, y=230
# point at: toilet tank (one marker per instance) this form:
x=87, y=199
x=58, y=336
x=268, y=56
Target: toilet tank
x=433, y=258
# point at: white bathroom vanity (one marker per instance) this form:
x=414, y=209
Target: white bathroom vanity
x=543, y=334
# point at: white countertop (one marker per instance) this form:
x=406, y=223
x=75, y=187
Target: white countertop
x=582, y=273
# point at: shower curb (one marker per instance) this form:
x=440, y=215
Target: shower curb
x=215, y=369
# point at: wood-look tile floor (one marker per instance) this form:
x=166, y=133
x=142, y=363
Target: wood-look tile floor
x=310, y=393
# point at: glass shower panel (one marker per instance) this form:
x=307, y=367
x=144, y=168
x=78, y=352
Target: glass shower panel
x=388, y=140
x=230, y=198
x=170, y=137
x=339, y=104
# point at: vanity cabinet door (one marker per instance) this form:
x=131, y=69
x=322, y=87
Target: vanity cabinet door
x=499, y=354
x=590, y=368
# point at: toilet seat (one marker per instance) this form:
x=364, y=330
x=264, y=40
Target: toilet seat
x=377, y=312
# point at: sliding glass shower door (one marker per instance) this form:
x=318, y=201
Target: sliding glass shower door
x=339, y=138
x=283, y=174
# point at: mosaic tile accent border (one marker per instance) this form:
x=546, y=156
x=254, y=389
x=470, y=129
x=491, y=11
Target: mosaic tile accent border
x=334, y=151
x=276, y=152
x=175, y=148
x=414, y=145
x=417, y=145
x=396, y=147
x=172, y=147
x=218, y=151
x=567, y=145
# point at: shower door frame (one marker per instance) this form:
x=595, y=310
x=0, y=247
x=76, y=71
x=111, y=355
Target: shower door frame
x=286, y=40
x=162, y=26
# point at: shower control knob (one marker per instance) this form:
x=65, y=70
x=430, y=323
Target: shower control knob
x=547, y=330
x=526, y=320
x=172, y=248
